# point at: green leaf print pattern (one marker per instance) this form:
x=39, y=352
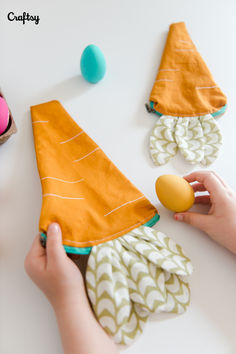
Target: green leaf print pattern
x=198, y=139
x=129, y=278
x=213, y=140
x=162, y=140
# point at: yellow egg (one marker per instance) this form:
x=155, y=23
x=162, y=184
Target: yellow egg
x=174, y=192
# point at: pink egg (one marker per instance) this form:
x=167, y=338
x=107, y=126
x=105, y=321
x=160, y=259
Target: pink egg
x=4, y=115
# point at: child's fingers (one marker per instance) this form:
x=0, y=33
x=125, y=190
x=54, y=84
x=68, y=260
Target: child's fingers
x=36, y=249
x=198, y=187
x=54, y=247
x=199, y=221
x=35, y=257
x=202, y=199
x=209, y=180
x=220, y=179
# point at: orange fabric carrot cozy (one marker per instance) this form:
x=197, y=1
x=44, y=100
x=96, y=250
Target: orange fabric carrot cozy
x=82, y=189
x=131, y=268
x=186, y=98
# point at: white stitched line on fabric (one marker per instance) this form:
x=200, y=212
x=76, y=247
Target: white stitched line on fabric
x=61, y=180
x=169, y=70
x=184, y=50
x=205, y=87
x=188, y=42
x=86, y=155
x=73, y=137
x=131, y=201
x=40, y=121
x=163, y=80
x=108, y=237
x=58, y=196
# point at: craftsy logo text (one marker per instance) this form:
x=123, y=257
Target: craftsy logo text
x=25, y=17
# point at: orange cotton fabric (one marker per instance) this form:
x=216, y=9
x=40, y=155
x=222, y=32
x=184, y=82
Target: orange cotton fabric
x=184, y=86
x=82, y=189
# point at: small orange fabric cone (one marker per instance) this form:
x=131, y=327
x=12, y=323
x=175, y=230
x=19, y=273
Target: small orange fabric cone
x=82, y=189
x=184, y=86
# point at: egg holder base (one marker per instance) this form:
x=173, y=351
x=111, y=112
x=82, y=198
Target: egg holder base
x=11, y=127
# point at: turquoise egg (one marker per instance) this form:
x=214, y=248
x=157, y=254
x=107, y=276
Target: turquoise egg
x=92, y=64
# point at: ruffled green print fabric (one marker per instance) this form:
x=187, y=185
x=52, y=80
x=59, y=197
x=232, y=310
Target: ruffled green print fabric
x=129, y=278
x=198, y=139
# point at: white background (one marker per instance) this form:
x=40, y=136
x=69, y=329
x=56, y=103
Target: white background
x=41, y=63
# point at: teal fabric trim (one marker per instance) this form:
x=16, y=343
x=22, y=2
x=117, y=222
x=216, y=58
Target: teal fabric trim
x=73, y=250
x=77, y=250
x=153, y=220
x=215, y=114
x=87, y=250
x=221, y=111
x=152, y=107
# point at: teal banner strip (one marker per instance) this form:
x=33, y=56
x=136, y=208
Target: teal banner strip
x=70, y=249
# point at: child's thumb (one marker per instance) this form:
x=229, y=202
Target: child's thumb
x=54, y=247
x=197, y=220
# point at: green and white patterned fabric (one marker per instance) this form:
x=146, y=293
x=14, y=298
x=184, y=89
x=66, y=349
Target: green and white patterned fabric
x=129, y=278
x=198, y=139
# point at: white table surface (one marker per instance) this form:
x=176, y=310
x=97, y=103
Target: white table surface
x=39, y=63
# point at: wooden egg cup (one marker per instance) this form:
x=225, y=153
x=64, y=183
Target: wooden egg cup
x=11, y=127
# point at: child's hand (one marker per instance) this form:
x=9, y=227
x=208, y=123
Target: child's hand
x=61, y=281
x=53, y=271
x=220, y=223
